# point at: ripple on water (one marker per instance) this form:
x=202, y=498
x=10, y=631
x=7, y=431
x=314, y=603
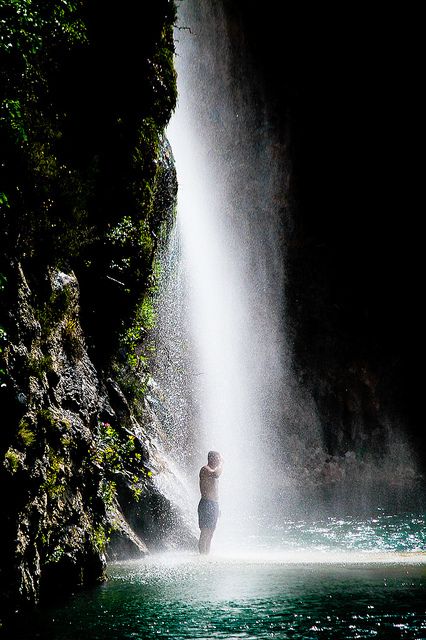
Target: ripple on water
x=367, y=581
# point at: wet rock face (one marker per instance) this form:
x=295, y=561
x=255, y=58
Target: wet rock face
x=78, y=466
x=87, y=197
x=54, y=508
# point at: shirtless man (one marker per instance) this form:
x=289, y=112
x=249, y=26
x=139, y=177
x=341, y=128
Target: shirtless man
x=208, y=508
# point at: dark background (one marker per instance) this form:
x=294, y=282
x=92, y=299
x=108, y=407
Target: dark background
x=345, y=87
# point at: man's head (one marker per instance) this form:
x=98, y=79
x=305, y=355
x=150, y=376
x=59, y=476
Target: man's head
x=213, y=458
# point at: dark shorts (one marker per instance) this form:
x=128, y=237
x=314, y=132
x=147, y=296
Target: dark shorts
x=208, y=513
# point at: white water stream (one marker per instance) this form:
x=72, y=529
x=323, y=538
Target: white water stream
x=225, y=309
x=223, y=360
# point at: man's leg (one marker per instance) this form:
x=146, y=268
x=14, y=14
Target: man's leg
x=205, y=540
x=202, y=543
x=209, y=537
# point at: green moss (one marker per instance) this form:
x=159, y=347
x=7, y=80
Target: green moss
x=66, y=441
x=54, y=483
x=146, y=241
x=65, y=423
x=39, y=365
x=12, y=460
x=26, y=433
x=46, y=419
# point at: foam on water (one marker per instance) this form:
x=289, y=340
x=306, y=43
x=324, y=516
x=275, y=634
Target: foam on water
x=170, y=560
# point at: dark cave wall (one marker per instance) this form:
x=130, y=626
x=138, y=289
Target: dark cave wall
x=343, y=88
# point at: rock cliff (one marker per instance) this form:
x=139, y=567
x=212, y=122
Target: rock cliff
x=87, y=197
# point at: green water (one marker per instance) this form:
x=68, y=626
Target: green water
x=329, y=579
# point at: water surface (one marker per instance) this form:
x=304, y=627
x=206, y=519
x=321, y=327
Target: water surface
x=330, y=579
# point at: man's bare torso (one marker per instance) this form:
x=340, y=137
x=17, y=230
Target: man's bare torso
x=209, y=483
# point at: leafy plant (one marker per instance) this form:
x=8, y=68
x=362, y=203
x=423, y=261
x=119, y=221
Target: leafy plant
x=4, y=202
x=56, y=555
x=100, y=537
x=11, y=116
x=108, y=491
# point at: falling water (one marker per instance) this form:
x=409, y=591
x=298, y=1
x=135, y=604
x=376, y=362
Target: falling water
x=223, y=351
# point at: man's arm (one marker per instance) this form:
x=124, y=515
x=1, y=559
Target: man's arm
x=213, y=473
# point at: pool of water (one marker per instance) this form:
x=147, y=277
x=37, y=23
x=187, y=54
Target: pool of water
x=328, y=579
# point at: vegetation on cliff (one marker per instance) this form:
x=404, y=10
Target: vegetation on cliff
x=87, y=191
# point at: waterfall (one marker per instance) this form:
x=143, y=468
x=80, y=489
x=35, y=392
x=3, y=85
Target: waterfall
x=224, y=339
x=223, y=353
